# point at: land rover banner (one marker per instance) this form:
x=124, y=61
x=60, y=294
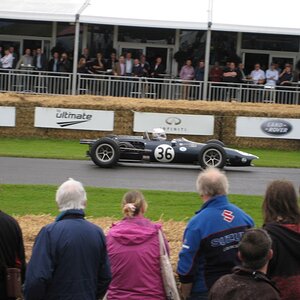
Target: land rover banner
x=181, y=124
x=274, y=128
x=7, y=116
x=76, y=119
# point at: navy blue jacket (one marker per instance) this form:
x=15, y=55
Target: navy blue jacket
x=210, y=243
x=69, y=261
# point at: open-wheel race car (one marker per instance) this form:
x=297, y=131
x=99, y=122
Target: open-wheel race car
x=108, y=151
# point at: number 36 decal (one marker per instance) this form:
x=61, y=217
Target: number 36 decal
x=164, y=153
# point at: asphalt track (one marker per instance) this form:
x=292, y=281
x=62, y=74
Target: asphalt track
x=247, y=181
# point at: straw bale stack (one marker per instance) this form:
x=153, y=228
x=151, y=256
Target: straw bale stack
x=225, y=116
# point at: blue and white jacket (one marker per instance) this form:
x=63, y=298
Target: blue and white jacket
x=210, y=243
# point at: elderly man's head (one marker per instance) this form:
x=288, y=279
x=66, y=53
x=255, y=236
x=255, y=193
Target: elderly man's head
x=212, y=182
x=71, y=195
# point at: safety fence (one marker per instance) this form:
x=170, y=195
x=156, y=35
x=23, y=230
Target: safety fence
x=30, y=81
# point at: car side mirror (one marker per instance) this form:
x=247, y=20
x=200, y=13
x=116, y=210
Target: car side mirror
x=173, y=143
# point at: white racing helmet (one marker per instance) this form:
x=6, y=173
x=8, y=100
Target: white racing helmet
x=159, y=134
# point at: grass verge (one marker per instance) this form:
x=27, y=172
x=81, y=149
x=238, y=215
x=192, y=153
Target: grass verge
x=105, y=202
x=71, y=149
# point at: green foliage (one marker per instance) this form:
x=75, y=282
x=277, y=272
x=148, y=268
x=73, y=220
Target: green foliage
x=275, y=158
x=42, y=148
x=106, y=202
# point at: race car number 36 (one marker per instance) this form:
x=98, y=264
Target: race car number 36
x=164, y=153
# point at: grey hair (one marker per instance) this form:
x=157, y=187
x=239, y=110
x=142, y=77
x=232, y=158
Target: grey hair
x=71, y=195
x=212, y=182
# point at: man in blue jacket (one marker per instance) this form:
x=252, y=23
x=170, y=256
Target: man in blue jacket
x=211, y=237
x=69, y=259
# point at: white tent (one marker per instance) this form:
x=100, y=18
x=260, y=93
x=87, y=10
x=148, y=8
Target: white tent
x=269, y=16
x=40, y=10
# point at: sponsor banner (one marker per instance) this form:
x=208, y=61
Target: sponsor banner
x=78, y=119
x=174, y=123
x=7, y=116
x=274, y=128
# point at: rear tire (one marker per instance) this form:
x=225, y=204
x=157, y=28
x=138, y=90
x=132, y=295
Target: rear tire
x=105, y=152
x=212, y=155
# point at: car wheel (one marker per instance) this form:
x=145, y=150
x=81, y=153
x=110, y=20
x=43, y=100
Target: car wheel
x=212, y=155
x=105, y=152
x=213, y=141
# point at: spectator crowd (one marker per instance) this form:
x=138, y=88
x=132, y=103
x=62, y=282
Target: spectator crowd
x=124, y=65
x=222, y=256
x=127, y=65
x=132, y=75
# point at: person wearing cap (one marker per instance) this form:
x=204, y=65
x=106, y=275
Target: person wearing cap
x=69, y=259
x=209, y=248
x=249, y=281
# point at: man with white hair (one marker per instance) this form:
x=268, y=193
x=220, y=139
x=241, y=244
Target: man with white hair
x=211, y=237
x=69, y=258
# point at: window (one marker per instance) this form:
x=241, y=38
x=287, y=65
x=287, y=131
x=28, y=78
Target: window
x=146, y=35
x=273, y=42
x=100, y=39
x=192, y=45
x=27, y=28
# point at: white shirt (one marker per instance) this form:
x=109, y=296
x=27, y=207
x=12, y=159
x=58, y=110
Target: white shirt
x=129, y=65
x=38, y=61
x=257, y=75
x=271, y=76
x=7, y=61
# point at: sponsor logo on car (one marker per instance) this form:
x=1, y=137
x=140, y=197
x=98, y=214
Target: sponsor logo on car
x=276, y=127
x=71, y=118
x=173, y=121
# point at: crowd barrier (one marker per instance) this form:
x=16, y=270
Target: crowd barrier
x=40, y=82
x=76, y=117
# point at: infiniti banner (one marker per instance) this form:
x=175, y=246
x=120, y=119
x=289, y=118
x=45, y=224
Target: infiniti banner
x=274, y=128
x=174, y=123
x=78, y=119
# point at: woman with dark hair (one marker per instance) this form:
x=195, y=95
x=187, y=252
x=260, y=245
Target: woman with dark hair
x=134, y=253
x=99, y=64
x=281, y=214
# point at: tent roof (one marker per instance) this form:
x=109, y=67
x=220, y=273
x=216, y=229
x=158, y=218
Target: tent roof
x=40, y=10
x=230, y=15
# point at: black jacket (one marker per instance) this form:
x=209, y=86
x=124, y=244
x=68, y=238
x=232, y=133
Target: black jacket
x=155, y=73
x=43, y=62
x=12, y=252
x=234, y=79
x=284, y=267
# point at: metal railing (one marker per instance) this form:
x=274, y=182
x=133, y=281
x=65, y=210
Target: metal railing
x=41, y=82
x=37, y=82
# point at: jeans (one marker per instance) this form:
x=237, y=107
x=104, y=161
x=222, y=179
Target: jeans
x=198, y=296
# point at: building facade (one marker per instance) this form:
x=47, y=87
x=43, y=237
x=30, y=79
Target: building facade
x=173, y=45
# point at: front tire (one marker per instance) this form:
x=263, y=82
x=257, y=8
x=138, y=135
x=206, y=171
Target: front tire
x=212, y=155
x=214, y=141
x=105, y=153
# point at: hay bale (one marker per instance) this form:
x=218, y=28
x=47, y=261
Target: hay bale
x=225, y=116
